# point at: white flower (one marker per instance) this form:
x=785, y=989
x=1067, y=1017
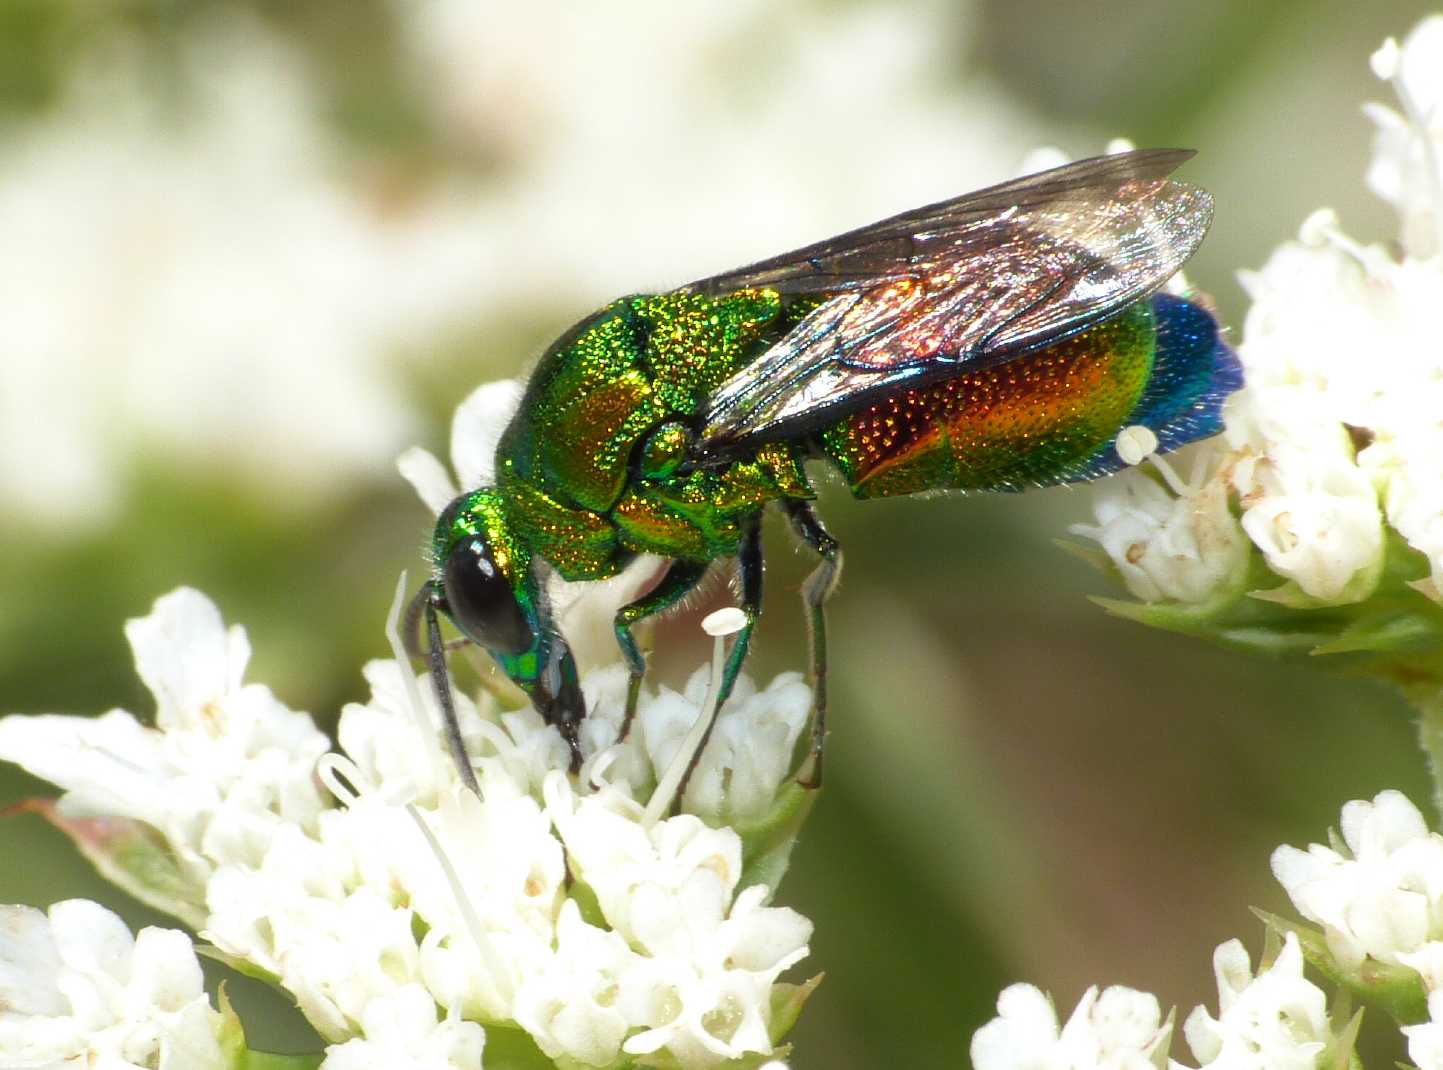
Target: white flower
x=1275, y=1021
x=418, y=891
x=1185, y=546
x=1383, y=897
x=1337, y=429
x=1406, y=151
x=226, y=767
x=402, y=1033
x=671, y=892
x=1425, y=1041
x=746, y=759
x=1117, y=1029
x=77, y=989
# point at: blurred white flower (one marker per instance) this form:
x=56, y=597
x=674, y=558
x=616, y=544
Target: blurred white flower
x=1275, y=1021
x=758, y=106
x=226, y=767
x=1407, y=147
x=1381, y=897
x=1117, y=1029
x=210, y=285
x=76, y=989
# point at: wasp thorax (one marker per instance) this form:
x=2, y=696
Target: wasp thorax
x=480, y=599
x=665, y=449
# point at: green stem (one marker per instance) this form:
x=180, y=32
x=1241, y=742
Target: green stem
x=1427, y=702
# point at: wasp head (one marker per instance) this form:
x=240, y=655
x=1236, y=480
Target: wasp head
x=488, y=583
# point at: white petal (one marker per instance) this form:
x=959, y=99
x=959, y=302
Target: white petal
x=186, y=656
x=29, y=963
x=428, y=476
x=477, y=428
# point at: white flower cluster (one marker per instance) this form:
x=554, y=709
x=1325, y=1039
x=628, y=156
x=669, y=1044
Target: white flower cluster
x=1274, y=1021
x=536, y=906
x=402, y=919
x=77, y=990
x=1377, y=894
x=1336, y=433
x=226, y=768
x=1120, y=1029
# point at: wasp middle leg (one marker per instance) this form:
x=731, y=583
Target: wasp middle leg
x=749, y=563
x=680, y=579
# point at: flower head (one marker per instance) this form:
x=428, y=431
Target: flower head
x=77, y=989
x=1379, y=893
x=1118, y=1028
x=226, y=765
x=1329, y=459
x=402, y=919
x=1276, y=1020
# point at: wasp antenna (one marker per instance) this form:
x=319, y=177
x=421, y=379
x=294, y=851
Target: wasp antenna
x=441, y=683
x=411, y=626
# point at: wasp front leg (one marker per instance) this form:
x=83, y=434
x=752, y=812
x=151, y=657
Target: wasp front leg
x=816, y=589
x=680, y=579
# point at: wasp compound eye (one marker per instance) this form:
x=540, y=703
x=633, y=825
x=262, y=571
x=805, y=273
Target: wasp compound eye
x=481, y=602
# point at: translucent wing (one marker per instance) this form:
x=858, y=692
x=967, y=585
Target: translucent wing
x=971, y=281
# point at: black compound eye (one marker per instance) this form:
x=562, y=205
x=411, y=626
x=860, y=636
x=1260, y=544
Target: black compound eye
x=480, y=601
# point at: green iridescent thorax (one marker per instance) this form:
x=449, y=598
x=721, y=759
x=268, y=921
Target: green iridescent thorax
x=591, y=468
x=1020, y=423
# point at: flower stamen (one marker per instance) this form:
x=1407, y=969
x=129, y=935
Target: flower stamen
x=424, y=723
x=719, y=625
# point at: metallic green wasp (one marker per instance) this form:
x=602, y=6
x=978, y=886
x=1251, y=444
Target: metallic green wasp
x=995, y=341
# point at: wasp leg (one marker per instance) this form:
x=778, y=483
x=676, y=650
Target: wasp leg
x=680, y=578
x=440, y=683
x=749, y=561
x=816, y=589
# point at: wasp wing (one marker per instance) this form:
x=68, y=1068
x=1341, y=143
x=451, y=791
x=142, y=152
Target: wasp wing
x=958, y=285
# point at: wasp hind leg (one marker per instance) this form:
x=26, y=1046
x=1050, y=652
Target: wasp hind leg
x=816, y=589
x=681, y=577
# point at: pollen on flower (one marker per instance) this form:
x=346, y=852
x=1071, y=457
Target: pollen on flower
x=1135, y=444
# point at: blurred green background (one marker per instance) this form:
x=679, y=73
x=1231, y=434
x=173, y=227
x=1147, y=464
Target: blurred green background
x=252, y=250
